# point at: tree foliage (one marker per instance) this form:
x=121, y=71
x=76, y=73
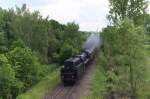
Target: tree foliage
x=3, y=42
x=124, y=48
x=119, y=9
x=26, y=65
x=8, y=81
x=125, y=54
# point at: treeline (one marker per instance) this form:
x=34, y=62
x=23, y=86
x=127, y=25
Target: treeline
x=28, y=43
x=124, y=55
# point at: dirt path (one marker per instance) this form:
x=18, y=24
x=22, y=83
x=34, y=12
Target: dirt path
x=78, y=90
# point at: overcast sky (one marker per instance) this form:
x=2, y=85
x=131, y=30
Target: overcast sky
x=89, y=14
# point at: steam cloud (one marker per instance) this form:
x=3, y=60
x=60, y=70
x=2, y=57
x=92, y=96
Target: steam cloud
x=92, y=42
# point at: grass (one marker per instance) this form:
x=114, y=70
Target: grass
x=98, y=83
x=144, y=93
x=147, y=81
x=45, y=85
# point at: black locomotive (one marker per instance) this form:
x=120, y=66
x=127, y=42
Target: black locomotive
x=74, y=67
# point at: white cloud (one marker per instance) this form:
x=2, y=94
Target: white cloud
x=89, y=14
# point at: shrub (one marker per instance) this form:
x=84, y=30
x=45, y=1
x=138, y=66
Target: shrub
x=26, y=65
x=8, y=82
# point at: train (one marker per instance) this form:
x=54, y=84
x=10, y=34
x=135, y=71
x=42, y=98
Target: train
x=74, y=67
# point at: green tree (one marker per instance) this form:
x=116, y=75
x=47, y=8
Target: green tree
x=8, y=82
x=125, y=53
x=119, y=9
x=26, y=66
x=17, y=43
x=67, y=51
x=32, y=29
x=64, y=36
x=74, y=37
x=3, y=42
x=3, y=37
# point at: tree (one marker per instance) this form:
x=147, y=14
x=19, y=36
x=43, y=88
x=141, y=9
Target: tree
x=26, y=65
x=67, y=51
x=62, y=36
x=119, y=9
x=3, y=36
x=17, y=43
x=125, y=53
x=3, y=42
x=73, y=35
x=8, y=82
x=32, y=29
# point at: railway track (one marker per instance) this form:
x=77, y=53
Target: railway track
x=61, y=92
x=76, y=91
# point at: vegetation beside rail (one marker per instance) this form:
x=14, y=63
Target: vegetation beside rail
x=125, y=52
x=98, y=84
x=43, y=87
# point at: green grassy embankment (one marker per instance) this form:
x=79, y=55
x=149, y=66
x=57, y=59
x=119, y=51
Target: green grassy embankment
x=45, y=85
x=98, y=84
x=147, y=89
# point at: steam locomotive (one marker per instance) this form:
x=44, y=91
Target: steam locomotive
x=74, y=67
